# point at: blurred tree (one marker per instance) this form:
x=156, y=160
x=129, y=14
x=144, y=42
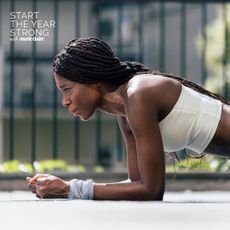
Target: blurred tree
x=215, y=43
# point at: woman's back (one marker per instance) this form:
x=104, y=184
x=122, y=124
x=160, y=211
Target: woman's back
x=187, y=118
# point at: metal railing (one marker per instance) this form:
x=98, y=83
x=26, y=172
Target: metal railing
x=159, y=16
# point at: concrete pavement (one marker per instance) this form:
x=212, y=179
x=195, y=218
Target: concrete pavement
x=179, y=210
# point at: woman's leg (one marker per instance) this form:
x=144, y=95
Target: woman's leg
x=220, y=144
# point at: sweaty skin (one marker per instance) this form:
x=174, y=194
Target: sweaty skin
x=139, y=105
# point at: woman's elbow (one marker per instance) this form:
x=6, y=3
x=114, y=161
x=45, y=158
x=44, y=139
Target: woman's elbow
x=156, y=196
x=159, y=196
x=151, y=195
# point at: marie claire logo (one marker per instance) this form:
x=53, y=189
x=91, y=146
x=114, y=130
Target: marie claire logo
x=26, y=26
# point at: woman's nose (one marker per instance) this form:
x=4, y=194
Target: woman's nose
x=65, y=102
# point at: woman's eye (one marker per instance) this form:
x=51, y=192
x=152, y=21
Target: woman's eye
x=66, y=89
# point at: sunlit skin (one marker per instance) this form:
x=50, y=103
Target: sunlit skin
x=139, y=105
x=81, y=100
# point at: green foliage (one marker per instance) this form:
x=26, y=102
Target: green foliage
x=217, y=50
x=78, y=168
x=99, y=169
x=50, y=165
x=205, y=164
x=45, y=166
x=15, y=166
x=193, y=164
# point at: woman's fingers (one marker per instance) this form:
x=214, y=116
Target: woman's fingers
x=46, y=186
x=31, y=185
x=36, y=181
x=40, y=181
x=33, y=179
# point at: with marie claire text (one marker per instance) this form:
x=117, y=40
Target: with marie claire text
x=26, y=26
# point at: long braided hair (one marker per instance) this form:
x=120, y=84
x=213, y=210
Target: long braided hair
x=90, y=60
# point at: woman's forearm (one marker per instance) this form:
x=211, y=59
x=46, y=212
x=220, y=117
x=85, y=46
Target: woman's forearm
x=126, y=191
x=48, y=186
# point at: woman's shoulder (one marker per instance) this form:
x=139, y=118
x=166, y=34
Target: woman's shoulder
x=154, y=92
x=151, y=85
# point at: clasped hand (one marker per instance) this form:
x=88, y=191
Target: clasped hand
x=48, y=186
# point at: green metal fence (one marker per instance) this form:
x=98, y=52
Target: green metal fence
x=113, y=30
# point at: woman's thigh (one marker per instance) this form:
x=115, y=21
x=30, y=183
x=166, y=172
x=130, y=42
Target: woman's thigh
x=220, y=143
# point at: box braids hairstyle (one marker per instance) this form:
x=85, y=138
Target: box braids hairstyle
x=90, y=60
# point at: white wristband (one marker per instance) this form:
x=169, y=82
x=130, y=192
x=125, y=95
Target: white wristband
x=125, y=181
x=80, y=189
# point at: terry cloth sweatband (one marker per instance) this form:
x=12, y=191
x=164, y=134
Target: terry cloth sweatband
x=125, y=181
x=80, y=189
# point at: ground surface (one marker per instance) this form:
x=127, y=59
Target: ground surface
x=181, y=210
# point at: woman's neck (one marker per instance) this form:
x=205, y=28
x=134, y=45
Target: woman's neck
x=113, y=100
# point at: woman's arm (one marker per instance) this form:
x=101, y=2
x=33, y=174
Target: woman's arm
x=133, y=171
x=151, y=168
x=150, y=156
x=145, y=163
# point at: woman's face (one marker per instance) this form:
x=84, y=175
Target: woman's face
x=81, y=99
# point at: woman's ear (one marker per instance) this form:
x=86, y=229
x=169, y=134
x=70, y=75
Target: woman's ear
x=97, y=86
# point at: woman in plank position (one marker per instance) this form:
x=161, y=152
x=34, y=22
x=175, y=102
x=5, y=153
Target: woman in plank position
x=156, y=113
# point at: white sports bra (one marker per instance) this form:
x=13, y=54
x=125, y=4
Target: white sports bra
x=191, y=123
